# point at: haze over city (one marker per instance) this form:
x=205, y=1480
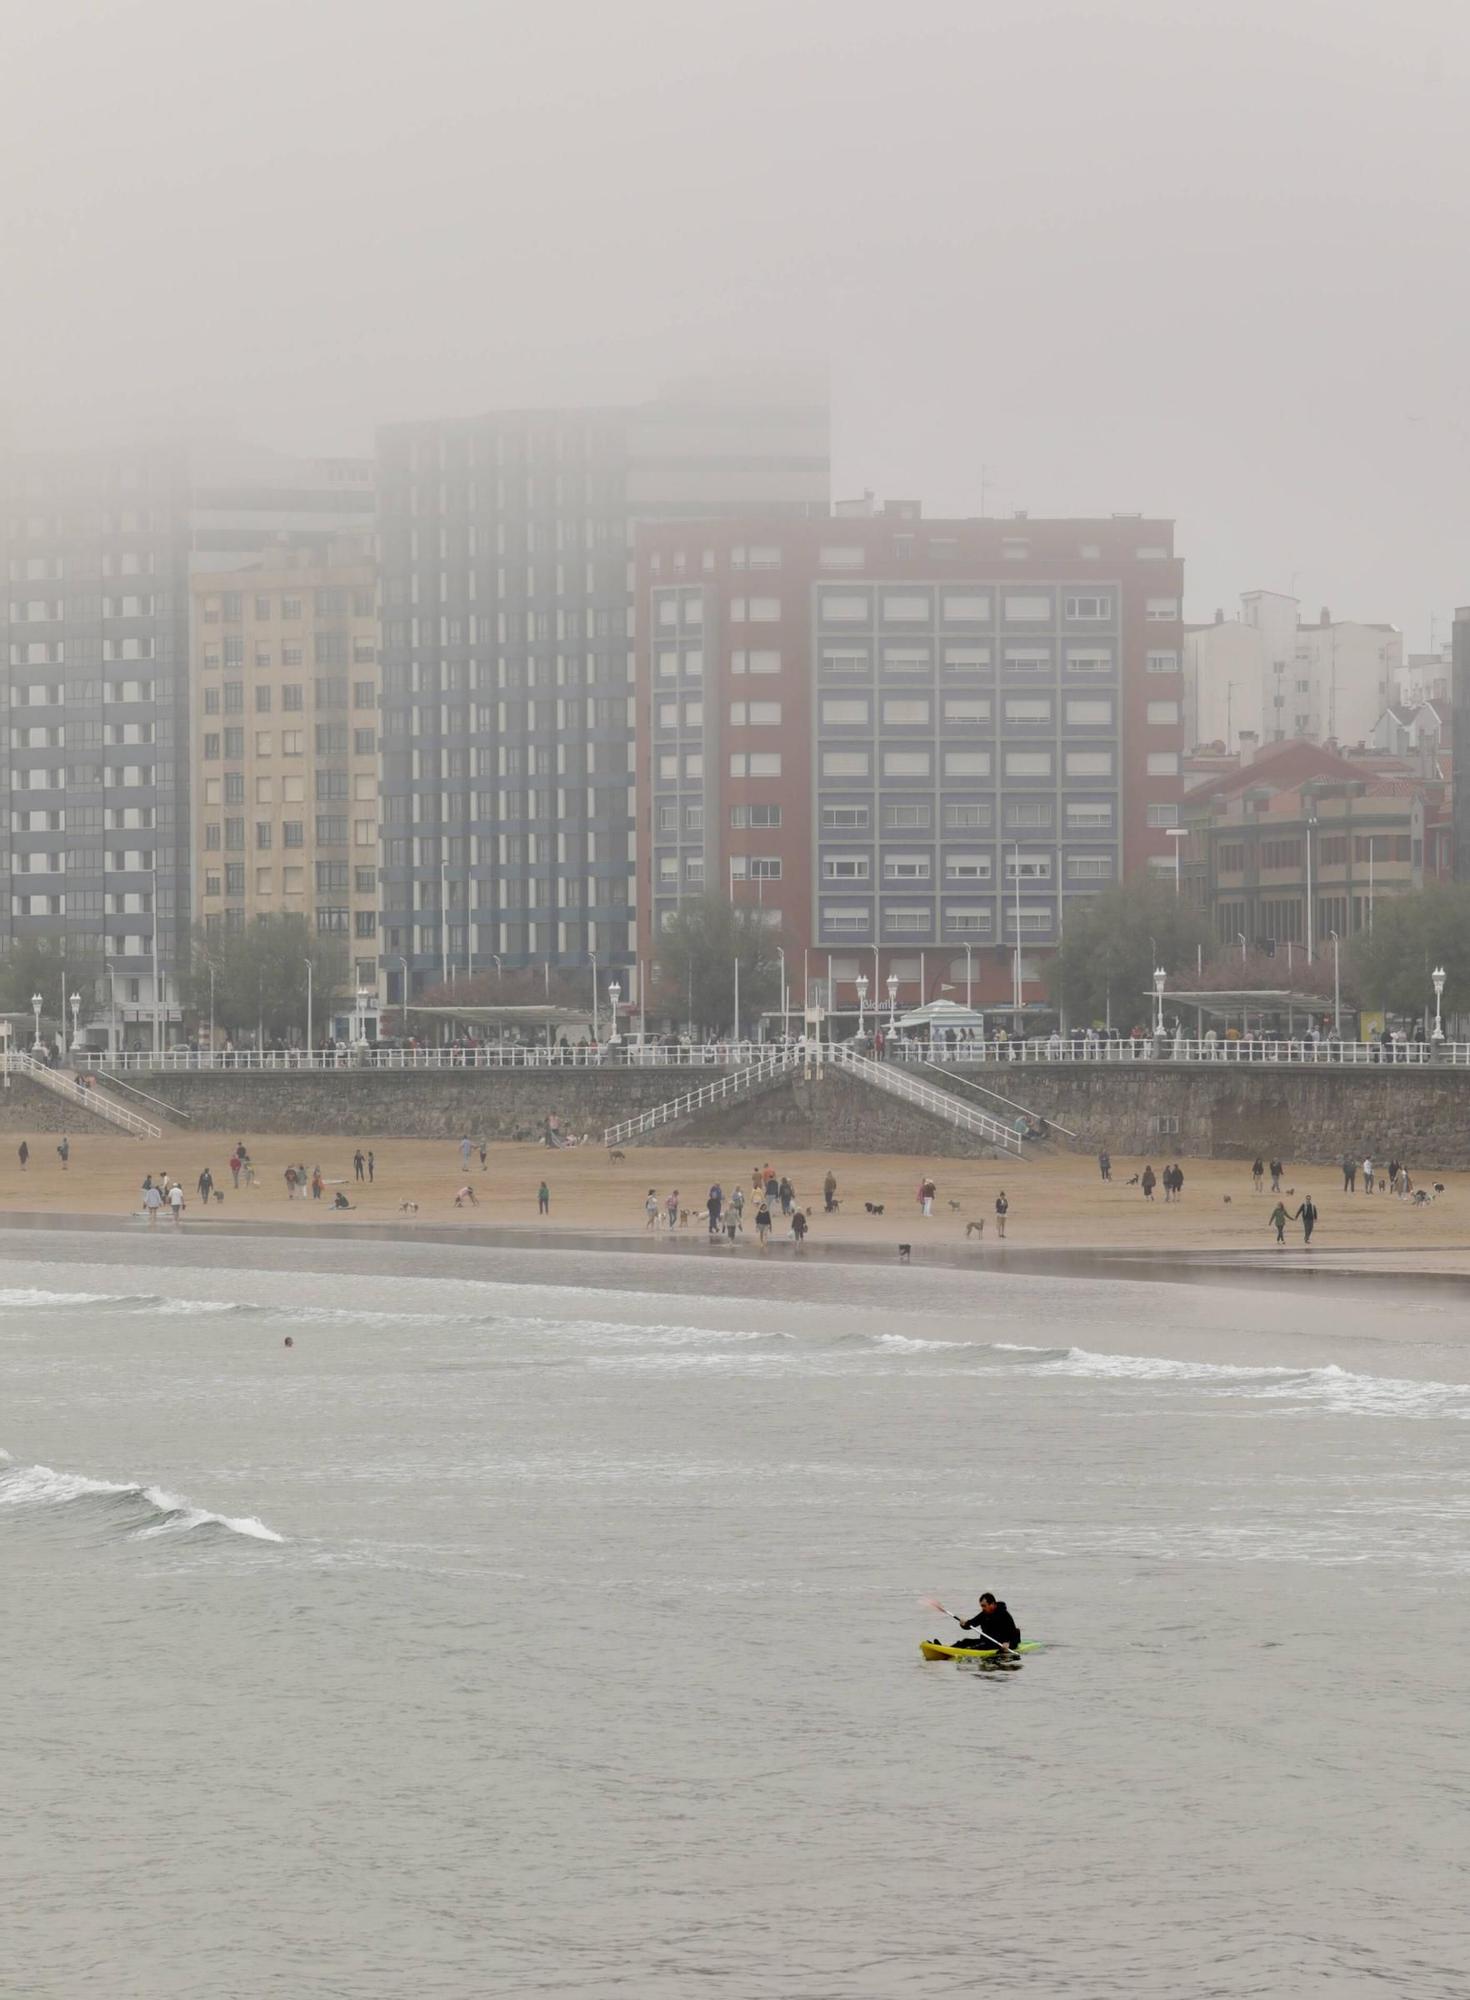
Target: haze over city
x=1196, y=262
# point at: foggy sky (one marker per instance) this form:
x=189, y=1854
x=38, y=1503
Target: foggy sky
x=1191, y=257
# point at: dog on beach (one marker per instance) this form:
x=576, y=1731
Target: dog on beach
x=408, y=1208
x=616, y=1156
x=974, y=1229
x=954, y=1208
x=873, y=1207
x=1135, y=1180
x=904, y=1252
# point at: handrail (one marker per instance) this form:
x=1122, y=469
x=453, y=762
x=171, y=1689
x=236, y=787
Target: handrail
x=970, y=1084
x=940, y=1102
x=730, y=1085
x=92, y=1101
x=117, y=1083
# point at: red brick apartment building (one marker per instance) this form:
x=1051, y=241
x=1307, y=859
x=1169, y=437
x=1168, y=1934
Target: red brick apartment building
x=907, y=740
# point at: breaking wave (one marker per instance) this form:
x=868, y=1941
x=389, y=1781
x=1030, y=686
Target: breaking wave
x=138, y=1511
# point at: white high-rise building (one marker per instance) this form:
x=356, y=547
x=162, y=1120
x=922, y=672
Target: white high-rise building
x=1267, y=673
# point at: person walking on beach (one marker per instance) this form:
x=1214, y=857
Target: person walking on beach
x=1178, y=1180
x=829, y=1191
x=176, y=1202
x=798, y=1227
x=465, y=1149
x=1277, y=1170
x=1277, y=1220
x=372, y=1167
x=671, y=1207
x=205, y=1185
x=1306, y=1215
x=1002, y=1210
x=484, y=1151
x=359, y=1163
x=1349, y=1174
x=235, y=1164
x=1367, y=1176
x=23, y=1154
x=290, y=1184
x=152, y=1201
x=714, y=1207
x=1258, y=1174
x=650, y=1209
x=1149, y=1182
x=737, y=1208
x=1105, y=1164
x=927, y=1191
x=543, y=1199
x=316, y=1183
x=63, y=1151
x=763, y=1224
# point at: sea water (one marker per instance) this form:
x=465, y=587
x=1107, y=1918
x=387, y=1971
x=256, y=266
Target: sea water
x=539, y=1623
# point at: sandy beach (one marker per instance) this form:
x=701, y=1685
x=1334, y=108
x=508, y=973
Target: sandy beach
x=1057, y=1202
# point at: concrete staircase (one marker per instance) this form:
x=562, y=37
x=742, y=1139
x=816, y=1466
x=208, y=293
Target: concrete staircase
x=722, y=1090
x=895, y=1080
x=88, y=1100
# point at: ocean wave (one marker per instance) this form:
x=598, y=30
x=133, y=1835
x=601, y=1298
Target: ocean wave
x=144, y=1511
x=903, y=1343
x=1337, y=1391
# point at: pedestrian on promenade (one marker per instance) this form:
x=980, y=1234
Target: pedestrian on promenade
x=1002, y=1210
x=1277, y=1220
x=372, y=1167
x=23, y=1154
x=1306, y=1215
x=359, y=1163
x=543, y=1199
x=1258, y=1174
x=737, y=1207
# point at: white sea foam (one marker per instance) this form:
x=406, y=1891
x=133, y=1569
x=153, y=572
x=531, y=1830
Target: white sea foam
x=1338, y=1391
x=903, y=1343
x=165, y=1512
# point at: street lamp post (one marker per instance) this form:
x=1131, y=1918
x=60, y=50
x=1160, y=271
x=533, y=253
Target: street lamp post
x=595, y=1023
x=892, y=1001
x=211, y=1011
x=5, y=1050
x=969, y=976
x=308, y=1007
x=1159, y=977
x=782, y=957
x=1336, y=986
x=614, y=994
x=38, y=1047
x=1311, y=823
x=1438, y=977
x=76, y=1026
x=1240, y=939
x=861, y=983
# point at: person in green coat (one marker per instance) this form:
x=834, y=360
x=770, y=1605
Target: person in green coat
x=543, y=1199
x=1278, y=1219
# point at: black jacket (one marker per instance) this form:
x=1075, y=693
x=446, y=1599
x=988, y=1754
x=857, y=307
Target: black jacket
x=995, y=1623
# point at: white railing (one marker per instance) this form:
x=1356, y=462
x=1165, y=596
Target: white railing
x=735, y=1083
x=1032, y=1118
x=896, y=1081
x=86, y=1098
x=1070, y=1050
x=1253, y=1049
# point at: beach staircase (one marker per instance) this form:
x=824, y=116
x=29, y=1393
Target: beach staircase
x=726, y=1089
x=950, y=1078
x=895, y=1080
x=85, y=1099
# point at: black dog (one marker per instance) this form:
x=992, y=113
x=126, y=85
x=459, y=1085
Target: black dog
x=903, y=1252
x=873, y=1207
x=615, y=1155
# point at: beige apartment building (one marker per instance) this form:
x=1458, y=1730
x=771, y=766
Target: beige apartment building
x=284, y=740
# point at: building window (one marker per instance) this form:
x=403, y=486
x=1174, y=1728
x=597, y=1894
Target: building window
x=1089, y=714
x=1088, y=610
x=755, y=714
x=1161, y=610
x=1029, y=714
x=908, y=816
x=1088, y=763
x=846, y=919
x=1088, y=660
x=845, y=819
x=963, y=815
x=1089, y=867
x=1027, y=610
x=906, y=867
x=908, y=660
x=966, y=659
x=1089, y=816
x=1029, y=660
x=836, y=713
x=845, y=867
x=904, y=921
x=1163, y=661
x=755, y=663
x=906, y=763
x=1163, y=714
x=964, y=608
x=835, y=557
x=1162, y=816
x=1028, y=764
x=1163, y=764
x=755, y=816
x=967, y=763
x=755, y=764
x=840, y=610
x=906, y=608
x=967, y=868
x=957, y=709
x=837, y=764
x=966, y=920
x=898, y=712
x=846, y=660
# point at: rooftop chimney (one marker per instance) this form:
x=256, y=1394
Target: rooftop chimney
x=1219, y=615
x=1249, y=744
x=1326, y=617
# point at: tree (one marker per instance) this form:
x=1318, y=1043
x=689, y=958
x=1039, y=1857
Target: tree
x=521, y=986
x=260, y=978
x=43, y=965
x=1412, y=935
x=695, y=974
x=1112, y=943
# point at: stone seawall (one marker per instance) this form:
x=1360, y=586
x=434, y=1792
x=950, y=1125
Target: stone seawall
x=1145, y=1110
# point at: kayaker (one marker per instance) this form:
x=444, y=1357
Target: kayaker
x=994, y=1624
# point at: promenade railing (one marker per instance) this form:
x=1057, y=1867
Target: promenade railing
x=1068, y=1052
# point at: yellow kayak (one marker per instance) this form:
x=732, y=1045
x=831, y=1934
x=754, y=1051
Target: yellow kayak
x=932, y=1650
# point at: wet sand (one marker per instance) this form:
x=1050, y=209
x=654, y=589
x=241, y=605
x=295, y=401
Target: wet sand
x=1058, y=1202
